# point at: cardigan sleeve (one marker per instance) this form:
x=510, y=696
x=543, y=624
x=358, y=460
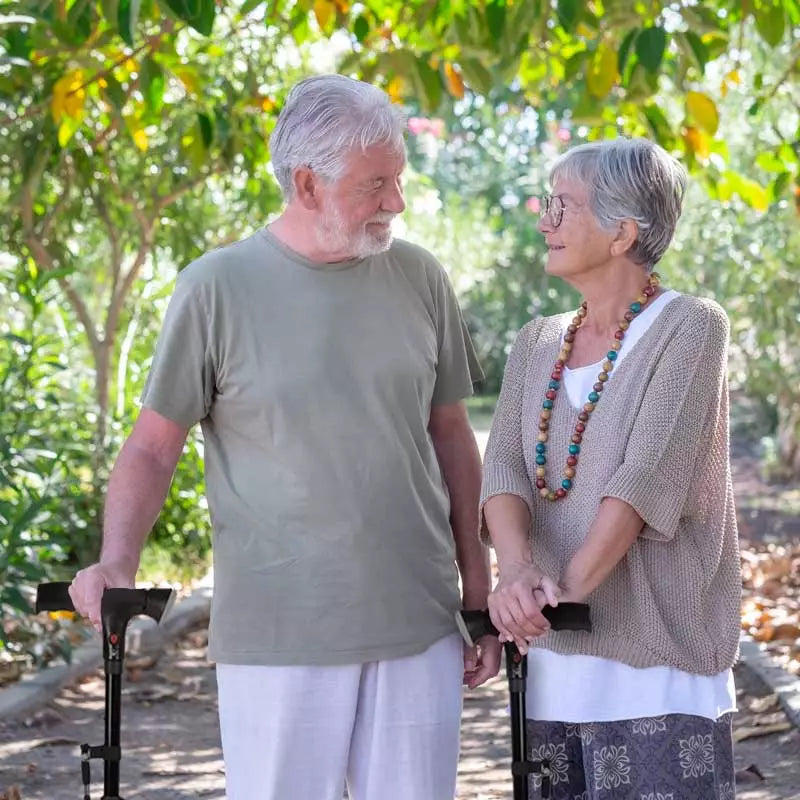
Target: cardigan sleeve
x=504, y=470
x=680, y=414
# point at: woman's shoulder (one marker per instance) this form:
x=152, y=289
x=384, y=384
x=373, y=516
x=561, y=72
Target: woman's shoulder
x=695, y=313
x=541, y=330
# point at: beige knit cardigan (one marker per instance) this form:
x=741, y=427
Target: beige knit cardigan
x=659, y=440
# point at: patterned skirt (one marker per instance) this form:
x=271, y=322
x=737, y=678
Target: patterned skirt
x=673, y=757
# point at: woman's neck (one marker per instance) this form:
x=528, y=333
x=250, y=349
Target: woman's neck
x=608, y=293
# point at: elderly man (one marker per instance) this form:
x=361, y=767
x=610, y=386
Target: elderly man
x=327, y=365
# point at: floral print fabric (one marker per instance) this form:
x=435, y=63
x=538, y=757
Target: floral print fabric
x=673, y=757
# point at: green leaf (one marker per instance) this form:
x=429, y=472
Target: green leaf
x=251, y=5
x=199, y=14
x=699, y=50
x=769, y=162
x=114, y=92
x=361, y=28
x=206, y=129
x=127, y=19
x=779, y=185
x=568, y=12
x=476, y=75
x=650, y=46
x=152, y=85
x=658, y=123
x=80, y=18
x=625, y=50
x=496, y=19
x=429, y=83
x=770, y=21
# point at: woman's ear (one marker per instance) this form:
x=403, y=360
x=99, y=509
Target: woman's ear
x=626, y=236
x=306, y=188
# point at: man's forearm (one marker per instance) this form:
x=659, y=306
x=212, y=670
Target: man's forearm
x=615, y=528
x=136, y=492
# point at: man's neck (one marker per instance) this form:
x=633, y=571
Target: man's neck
x=293, y=232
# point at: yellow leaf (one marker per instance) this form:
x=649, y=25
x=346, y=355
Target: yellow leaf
x=702, y=109
x=324, y=11
x=267, y=104
x=140, y=139
x=188, y=79
x=698, y=142
x=602, y=74
x=131, y=65
x=396, y=89
x=68, y=96
x=733, y=76
x=455, y=83
x=61, y=614
x=723, y=89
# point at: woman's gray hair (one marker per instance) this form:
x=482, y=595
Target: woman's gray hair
x=629, y=179
x=324, y=119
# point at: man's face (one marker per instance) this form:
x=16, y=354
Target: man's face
x=357, y=211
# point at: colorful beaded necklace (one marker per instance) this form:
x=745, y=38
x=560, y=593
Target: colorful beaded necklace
x=634, y=309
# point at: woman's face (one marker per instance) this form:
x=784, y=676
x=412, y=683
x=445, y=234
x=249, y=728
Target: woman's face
x=577, y=244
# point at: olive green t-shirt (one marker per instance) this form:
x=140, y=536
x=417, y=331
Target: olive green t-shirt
x=313, y=384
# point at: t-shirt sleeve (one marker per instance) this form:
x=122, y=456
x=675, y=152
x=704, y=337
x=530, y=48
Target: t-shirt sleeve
x=457, y=363
x=680, y=413
x=504, y=469
x=181, y=382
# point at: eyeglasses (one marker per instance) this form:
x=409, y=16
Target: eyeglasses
x=552, y=206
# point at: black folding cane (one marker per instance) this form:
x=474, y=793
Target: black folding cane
x=475, y=624
x=117, y=608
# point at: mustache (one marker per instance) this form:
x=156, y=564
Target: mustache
x=382, y=218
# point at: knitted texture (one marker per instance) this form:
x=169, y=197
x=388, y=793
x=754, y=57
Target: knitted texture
x=658, y=440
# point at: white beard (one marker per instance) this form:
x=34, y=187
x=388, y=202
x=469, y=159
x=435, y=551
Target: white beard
x=333, y=236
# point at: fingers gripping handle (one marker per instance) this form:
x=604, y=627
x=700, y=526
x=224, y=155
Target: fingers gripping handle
x=117, y=605
x=472, y=625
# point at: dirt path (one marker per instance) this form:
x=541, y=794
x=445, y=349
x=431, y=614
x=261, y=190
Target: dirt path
x=172, y=752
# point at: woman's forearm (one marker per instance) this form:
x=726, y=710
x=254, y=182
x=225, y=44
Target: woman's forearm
x=508, y=520
x=615, y=528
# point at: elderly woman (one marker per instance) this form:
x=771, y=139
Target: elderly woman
x=607, y=480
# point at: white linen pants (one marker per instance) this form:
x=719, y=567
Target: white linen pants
x=388, y=730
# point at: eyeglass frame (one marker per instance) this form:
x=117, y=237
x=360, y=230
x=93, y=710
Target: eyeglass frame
x=546, y=209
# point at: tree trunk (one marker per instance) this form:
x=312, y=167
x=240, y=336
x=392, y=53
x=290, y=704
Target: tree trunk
x=789, y=437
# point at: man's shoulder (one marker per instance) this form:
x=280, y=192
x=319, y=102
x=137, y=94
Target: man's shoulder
x=413, y=256
x=219, y=263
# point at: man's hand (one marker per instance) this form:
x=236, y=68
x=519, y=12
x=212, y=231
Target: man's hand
x=89, y=584
x=516, y=603
x=482, y=661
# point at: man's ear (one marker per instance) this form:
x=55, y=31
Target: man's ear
x=626, y=236
x=306, y=188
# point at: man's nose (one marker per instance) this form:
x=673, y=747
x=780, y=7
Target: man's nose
x=393, y=200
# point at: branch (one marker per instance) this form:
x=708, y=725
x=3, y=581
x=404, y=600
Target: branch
x=59, y=204
x=121, y=292
x=169, y=199
x=43, y=257
x=793, y=62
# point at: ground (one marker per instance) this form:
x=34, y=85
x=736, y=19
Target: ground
x=171, y=740
x=172, y=750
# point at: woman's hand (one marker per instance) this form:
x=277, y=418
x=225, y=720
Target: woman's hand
x=516, y=603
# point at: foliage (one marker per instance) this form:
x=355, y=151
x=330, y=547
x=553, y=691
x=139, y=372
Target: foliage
x=44, y=506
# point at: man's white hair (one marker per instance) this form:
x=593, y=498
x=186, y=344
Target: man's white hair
x=324, y=119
